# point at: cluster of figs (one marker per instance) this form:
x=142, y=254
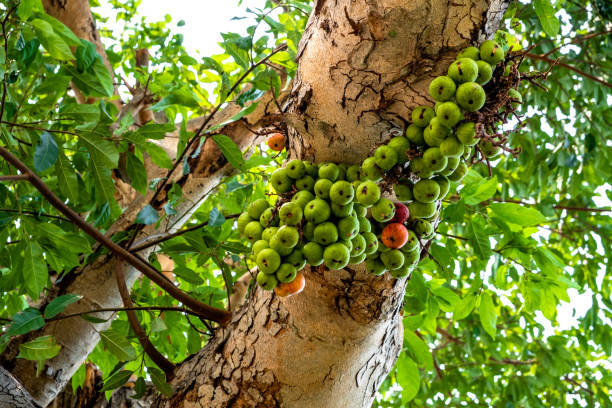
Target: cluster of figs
x=334, y=214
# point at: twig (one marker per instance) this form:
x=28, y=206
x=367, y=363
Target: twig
x=34, y=214
x=164, y=238
x=17, y=177
x=570, y=67
x=23, y=125
x=123, y=309
x=207, y=311
x=578, y=40
x=148, y=347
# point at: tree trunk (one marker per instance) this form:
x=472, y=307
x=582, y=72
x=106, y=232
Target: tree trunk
x=362, y=67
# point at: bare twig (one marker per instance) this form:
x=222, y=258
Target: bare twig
x=148, y=347
x=34, y=214
x=166, y=237
x=570, y=67
x=123, y=309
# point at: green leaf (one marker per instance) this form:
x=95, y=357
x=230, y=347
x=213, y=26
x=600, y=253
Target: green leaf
x=27, y=7
x=158, y=155
x=80, y=112
x=229, y=149
x=155, y=130
x=215, y=218
x=103, y=152
x=57, y=305
x=546, y=14
x=137, y=173
x=66, y=241
x=181, y=97
x=408, y=377
x=117, y=380
x=118, y=345
x=517, y=214
x=188, y=275
x=488, y=316
x=86, y=54
x=476, y=193
x=419, y=348
x=104, y=187
x=478, y=238
x=447, y=299
x=148, y=215
x=245, y=111
x=95, y=81
x=60, y=29
x=39, y=349
x=46, y=152
x=53, y=43
x=26, y=321
x=34, y=269
x=159, y=381
x=67, y=178
x=465, y=307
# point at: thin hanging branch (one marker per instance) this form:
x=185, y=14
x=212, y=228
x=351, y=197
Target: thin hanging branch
x=163, y=238
x=34, y=214
x=158, y=358
x=570, y=67
x=205, y=311
x=123, y=309
x=16, y=177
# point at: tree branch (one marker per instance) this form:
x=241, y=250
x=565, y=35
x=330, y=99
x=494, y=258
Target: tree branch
x=16, y=177
x=207, y=311
x=570, y=67
x=123, y=309
x=163, y=238
x=34, y=214
x=148, y=347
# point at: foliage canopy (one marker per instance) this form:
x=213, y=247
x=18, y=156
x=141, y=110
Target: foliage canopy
x=517, y=250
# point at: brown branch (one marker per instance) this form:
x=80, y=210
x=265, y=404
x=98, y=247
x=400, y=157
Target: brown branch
x=25, y=126
x=577, y=384
x=148, y=347
x=17, y=177
x=570, y=67
x=164, y=238
x=578, y=40
x=123, y=309
x=207, y=311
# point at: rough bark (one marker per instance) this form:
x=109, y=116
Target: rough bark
x=362, y=67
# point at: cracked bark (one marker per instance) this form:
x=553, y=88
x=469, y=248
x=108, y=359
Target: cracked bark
x=362, y=67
